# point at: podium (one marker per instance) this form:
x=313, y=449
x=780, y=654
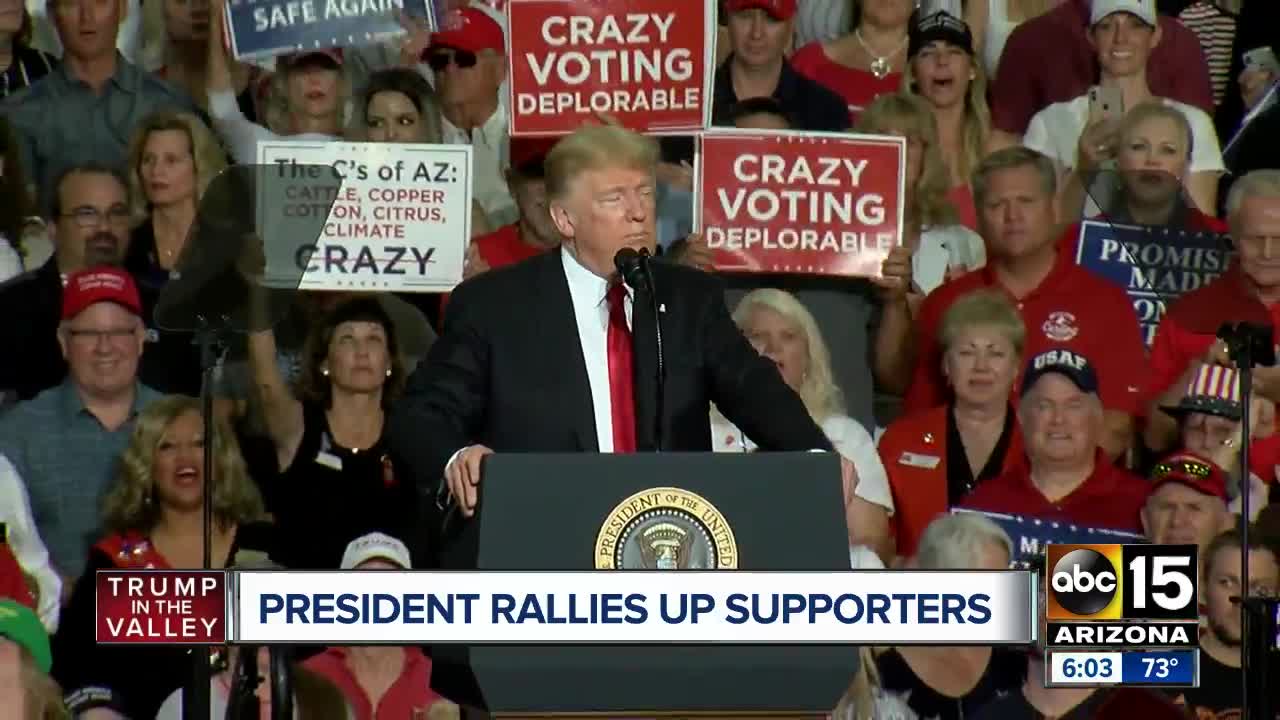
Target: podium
x=690, y=512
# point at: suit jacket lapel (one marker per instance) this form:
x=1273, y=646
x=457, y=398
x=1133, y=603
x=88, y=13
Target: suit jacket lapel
x=558, y=334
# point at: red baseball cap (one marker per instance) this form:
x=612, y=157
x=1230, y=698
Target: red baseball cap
x=1197, y=473
x=101, y=284
x=777, y=9
x=469, y=29
x=526, y=151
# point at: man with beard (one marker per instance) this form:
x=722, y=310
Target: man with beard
x=89, y=226
x=1218, y=696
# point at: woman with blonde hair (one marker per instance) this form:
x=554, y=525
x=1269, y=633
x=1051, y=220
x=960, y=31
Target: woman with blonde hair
x=153, y=517
x=172, y=159
x=942, y=69
x=940, y=245
x=782, y=329
x=935, y=457
x=307, y=99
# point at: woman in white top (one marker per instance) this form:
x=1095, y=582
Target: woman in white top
x=307, y=100
x=781, y=329
x=940, y=246
x=1124, y=33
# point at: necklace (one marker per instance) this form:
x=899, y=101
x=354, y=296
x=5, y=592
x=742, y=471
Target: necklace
x=880, y=64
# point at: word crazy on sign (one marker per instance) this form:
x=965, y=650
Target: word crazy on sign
x=808, y=203
x=1154, y=265
x=187, y=607
x=572, y=60
x=400, y=221
x=263, y=28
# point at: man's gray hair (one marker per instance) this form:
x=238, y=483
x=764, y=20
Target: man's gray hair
x=956, y=542
x=1011, y=158
x=1259, y=183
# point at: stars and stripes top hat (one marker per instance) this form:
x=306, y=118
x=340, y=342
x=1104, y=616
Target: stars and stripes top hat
x=1213, y=390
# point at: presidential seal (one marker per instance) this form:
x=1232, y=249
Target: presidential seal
x=666, y=528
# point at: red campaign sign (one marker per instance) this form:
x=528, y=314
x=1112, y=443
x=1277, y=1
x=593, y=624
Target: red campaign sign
x=810, y=203
x=570, y=60
x=161, y=607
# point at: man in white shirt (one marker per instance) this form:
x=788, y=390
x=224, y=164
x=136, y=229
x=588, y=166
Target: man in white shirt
x=468, y=61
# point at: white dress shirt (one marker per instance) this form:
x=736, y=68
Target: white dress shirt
x=587, y=291
x=28, y=548
x=490, y=153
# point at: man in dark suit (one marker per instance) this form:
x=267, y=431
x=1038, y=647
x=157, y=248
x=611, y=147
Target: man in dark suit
x=539, y=356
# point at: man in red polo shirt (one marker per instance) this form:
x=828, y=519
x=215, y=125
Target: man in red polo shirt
x=1062, y=304
x=1026, y=84
x=1248, y=292
x=1066, y=477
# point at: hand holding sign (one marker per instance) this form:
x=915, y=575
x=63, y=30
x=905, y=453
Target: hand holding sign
x=895, y=274
x=695, y=252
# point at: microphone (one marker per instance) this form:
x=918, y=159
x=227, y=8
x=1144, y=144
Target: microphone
x=633, y=266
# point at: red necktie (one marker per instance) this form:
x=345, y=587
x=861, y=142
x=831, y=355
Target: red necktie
x=621, y=378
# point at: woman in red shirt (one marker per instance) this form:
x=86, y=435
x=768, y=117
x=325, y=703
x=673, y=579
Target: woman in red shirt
x=866, y=63
x=935, y=457
x=154, y=517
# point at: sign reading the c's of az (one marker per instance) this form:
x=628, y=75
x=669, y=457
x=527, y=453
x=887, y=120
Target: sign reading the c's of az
x=263, y=28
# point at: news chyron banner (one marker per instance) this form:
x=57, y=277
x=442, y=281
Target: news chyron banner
x=648, y=65
x=566, y=608
x=1122, y=614
x=799, y=202
x=400, y=222
x=1154, y=265
x=264, y=28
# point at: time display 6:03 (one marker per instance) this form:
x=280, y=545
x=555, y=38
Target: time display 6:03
x=1088, y=667
x=1085, y=668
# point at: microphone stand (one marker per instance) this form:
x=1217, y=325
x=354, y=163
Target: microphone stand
x=1240, y=348
x=657, y=328
x=196, y=698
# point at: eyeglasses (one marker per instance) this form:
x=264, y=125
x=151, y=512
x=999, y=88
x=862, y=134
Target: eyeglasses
x=88, y=217
x=463, y=59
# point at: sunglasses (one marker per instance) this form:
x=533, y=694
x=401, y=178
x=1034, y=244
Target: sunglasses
x=463, y=59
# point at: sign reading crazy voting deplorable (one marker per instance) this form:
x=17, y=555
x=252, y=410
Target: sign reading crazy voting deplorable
x=262, y=28
x=812, y=203
x=1031, y=535
x=399, y=221
x=647, y=64
x=1154, y=265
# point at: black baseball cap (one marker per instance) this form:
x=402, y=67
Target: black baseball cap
x=942, y=26
x=1071, y=365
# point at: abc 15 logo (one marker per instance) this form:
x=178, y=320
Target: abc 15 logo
x=1115, y=582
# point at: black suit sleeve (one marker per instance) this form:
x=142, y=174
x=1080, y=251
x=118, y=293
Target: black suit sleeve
x=747, y=387
x=447, y=395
